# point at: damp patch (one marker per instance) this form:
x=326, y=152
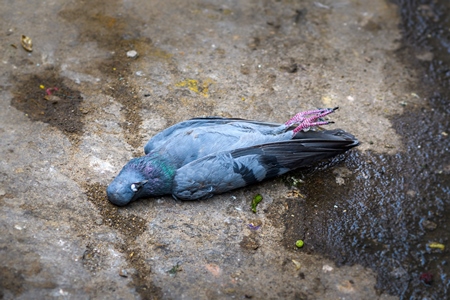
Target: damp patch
x=46, y=98
x=130, y=226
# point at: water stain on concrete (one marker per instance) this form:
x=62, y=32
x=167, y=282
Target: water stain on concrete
x=116, y=35
x=14, y=278
x=45, y=97
x=131, y=227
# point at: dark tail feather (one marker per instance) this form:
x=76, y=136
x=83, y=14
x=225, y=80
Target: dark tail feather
x=337, y=139
x=303, y=150
x=307, y=148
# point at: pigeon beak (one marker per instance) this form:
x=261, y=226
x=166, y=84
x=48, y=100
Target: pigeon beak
x=143, y=182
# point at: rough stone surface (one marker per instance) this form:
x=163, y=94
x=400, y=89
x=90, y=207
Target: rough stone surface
x=266, y=60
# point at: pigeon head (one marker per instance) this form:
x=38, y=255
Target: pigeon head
x=126, y=188
x=141, y=177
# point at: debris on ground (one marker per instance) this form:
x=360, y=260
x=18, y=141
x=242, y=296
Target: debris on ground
x=299, y=243
x=258, y=198
x=26, y=43
x=175, y=269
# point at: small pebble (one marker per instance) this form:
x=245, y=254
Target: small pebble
x=132, y=54
x=123, y=273
x=52, y=98
x=99, y=221
x=327, y=268
x=297, y=264
x=429, y=225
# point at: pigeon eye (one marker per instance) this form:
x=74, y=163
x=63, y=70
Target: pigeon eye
x=135, y=187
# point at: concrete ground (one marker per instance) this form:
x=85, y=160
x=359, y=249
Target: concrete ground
x=265, y=60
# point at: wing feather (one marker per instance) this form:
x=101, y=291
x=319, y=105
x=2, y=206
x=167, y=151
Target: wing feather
x=224, y=171
x=160, y=138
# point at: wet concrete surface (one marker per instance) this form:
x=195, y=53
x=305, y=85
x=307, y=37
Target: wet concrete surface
x=367, y=218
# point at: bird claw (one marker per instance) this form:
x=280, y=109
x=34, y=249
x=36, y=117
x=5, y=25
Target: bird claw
x=310, y=118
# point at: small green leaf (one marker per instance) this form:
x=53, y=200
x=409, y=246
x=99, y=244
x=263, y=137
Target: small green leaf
x=258, y=198
x=175, y=269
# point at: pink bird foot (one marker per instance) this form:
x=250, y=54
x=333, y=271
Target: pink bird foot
x=309, y=118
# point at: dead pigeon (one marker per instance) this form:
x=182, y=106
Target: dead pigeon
x=201, y=157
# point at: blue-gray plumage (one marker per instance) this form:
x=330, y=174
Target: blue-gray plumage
x=201, y=157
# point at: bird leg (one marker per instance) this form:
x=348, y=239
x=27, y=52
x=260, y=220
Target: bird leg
x=309, y=118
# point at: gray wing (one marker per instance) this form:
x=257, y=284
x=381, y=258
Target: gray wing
x=160, y=138
x=224, y=171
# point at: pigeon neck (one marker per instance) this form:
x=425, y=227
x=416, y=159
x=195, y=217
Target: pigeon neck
x=159, y=175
